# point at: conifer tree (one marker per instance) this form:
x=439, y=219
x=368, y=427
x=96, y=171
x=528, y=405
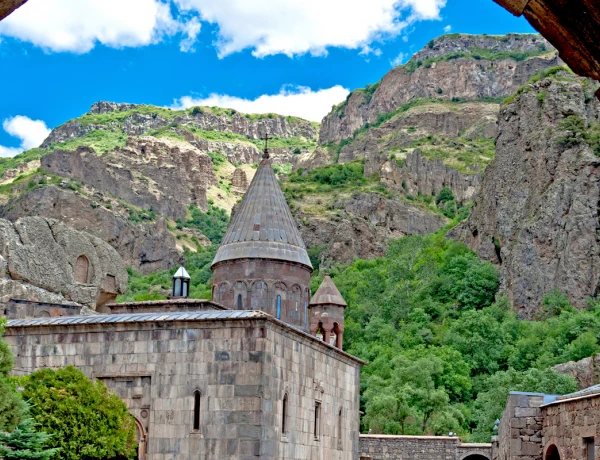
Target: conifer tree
x=25, y=443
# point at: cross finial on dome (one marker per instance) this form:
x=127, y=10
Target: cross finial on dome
x=266, y=152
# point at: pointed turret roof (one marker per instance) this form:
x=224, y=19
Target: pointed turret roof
x=328, y=294
x=263, y=226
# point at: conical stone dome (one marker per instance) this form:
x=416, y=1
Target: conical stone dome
x=263, y=226
x=328, y=294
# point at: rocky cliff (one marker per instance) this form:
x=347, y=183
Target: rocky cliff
x=362, y=225
x=450, y=67
x=536, y=215
x=41, y=260
x=145, y=245
x=165, y=175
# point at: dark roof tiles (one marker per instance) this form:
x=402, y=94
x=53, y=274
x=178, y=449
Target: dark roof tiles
x=328, y=294
x=263, y=226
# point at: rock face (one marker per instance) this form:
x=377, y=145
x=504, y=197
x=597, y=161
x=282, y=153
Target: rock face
x=163, y=175
x=450, y=120
x=239, y=181
x=141, y=122
x=536, y=215
x=45, y=260
x=462, y=77
x=418, y=175
x=145, y=246
x=586, y=371
x=364, y=225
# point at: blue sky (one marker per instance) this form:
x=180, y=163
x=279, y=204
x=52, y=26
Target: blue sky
x=301, y=56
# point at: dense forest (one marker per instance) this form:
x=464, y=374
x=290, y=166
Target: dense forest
x=443, y=349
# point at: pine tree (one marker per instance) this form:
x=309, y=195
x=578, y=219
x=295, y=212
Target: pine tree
x=25, y=443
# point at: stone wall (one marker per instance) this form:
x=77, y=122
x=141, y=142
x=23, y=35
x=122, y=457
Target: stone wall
x=255, y=284
x=520, y=430
x=163, y=306
x=570, y=425
x=241, y=366
x=386, y=447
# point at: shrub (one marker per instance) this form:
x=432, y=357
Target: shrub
x=444, y=196
x=85, y=420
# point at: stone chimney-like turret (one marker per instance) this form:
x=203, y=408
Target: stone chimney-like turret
x=327, y=313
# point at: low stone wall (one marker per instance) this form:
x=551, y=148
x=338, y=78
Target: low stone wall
x=385, y=447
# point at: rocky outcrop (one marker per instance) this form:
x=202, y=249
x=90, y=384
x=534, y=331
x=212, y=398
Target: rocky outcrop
x=463, y=77
x=450, y=120
x=163, y=175
x=363, y=225
x=239, y=181
x=586, y=371
x=138, y=120
x=20, y=169
x=145, y=246
x=536, y=215
x=43, y=259
x=417, y=175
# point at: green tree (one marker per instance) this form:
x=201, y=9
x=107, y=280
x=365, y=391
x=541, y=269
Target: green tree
x=12, y=406
x=444, y=196
x=491, y=401
x=25, y=443
x=85, y=420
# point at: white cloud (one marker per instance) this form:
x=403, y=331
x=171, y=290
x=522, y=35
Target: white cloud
x=399, y=60
x=78, y=25
x=297, y=101
x=293, y=27
x=31, y=133
x=267, y=27
x=448, y=28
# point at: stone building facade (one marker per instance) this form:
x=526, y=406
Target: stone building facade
x=538, y=426
x=244, y=367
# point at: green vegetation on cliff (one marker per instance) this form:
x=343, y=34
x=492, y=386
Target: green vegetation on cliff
x=478, y=54
x=442, y=352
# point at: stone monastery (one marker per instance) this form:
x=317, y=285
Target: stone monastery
x=259, y=371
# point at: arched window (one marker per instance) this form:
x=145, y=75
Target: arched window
x=239, y=302
x=197, y=397
x=82, y=266
x=305, y=313
x=284, y=416
x=278, y=307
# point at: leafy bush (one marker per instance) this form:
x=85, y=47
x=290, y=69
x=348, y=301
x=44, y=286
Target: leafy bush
x=335, y=175
x=444, y=196
x=85, y=420
x=212, y=224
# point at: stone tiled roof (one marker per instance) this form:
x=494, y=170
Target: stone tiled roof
x=263, y=226
x=589, y=391
x=328, y=294
x=137, y=318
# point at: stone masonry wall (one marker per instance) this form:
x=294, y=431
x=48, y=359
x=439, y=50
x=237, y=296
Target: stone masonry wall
x=567, y=424
x=520, y=430
x=386, y=447
x=242, y=368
